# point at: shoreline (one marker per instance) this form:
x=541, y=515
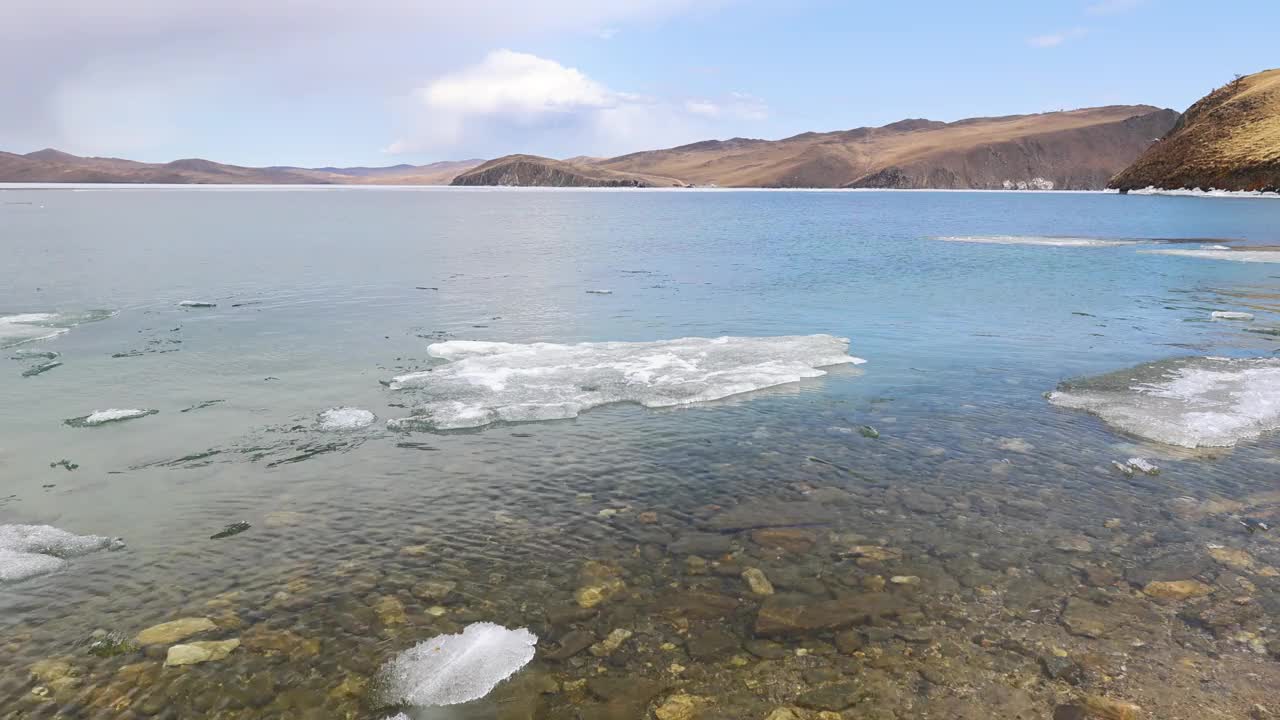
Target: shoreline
x=89, y=187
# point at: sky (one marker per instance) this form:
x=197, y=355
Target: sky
x=381, y=82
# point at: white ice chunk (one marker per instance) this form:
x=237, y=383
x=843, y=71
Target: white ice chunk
x=1049, y=240
x=487, y=382
x=453, y=669
x=101, y=417
x=1192, y=402
x=1229, y=315
x=1137, y=465
x=1253, y=256
x=345, y=418
x=28, y=550
x=26, y=327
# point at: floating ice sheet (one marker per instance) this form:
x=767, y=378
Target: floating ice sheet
x=487, y=382
x=29, y=550
x=1252, y=256
x=453, y=669
x=345, y=418
x=102, y=417
x=1048, y=240
x=24, y=327
x=1192, y=402
x=1230, y=315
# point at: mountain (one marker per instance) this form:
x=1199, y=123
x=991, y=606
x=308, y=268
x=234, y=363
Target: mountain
x=1072, y=150
x=1228, y=140
x=55, y=166
x=531, y=170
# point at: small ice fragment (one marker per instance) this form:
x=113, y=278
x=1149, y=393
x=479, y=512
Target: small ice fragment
x=197, y=304
x=1137, y=465
x=1229, y=315
x=599, y=292
x=41, y=368
x=345, y=418
x=101, y=417
x=453, y=669
x=1214, y=247
x=28, y=354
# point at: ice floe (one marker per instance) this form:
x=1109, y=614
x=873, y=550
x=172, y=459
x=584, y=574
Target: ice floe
x=345, y=418
x=197, y=304
x=487, y=382
x=1192, y=402
x=26, y=327
x=29, y=550
x=1229, y=315
x=1048, y=240
x=453, y=669
x=102, y=417
x=1137, y=465
x=1252, y=256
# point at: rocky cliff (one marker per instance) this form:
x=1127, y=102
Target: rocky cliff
x=1228, y=140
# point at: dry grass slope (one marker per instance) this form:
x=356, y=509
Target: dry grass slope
x=1228, y=140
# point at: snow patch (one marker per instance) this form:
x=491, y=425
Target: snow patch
x=345, y=418
x=453, y=669
x=488, y=382
x=1191, y=402
x=29, y=550
x=1197, y=192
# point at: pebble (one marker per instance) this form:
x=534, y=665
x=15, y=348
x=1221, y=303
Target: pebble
x=757, y=581
x=611, y=643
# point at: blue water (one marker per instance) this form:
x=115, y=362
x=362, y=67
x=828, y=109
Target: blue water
x=962, y=341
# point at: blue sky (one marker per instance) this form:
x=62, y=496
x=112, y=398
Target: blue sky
x=320, y=82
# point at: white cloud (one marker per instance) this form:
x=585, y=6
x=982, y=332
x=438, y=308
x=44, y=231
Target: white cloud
x=736, y=105
x=1055, y=39
x=512, y=101
x=1113, y=7
x=518, y=83
x=261, y=52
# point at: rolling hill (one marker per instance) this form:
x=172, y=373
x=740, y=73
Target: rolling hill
x=1228, y=140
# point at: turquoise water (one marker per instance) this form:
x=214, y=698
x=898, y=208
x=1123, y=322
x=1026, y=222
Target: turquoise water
x=318, y=299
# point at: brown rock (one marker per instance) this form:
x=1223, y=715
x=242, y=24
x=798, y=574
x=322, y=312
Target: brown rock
x=1105, y=708
x=175, y=631
x=792, y=540
x=1176, y=590
x=789, y=615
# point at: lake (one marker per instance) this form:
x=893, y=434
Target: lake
x=937, y=538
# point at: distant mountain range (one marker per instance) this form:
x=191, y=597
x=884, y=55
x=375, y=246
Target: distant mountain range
x=1228, y=140
x=54, y=166
x=1069, y=150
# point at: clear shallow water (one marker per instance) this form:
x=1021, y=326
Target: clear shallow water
x=974, y=477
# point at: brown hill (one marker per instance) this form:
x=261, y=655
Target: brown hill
x=54, y=166
x=1228, y=140
x=532, y=170
x=1073, y=150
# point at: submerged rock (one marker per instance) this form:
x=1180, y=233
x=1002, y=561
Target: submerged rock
x=1176, y=590
x=175, y=630
x=791, y=615
x=199, y=652
x=757, y=581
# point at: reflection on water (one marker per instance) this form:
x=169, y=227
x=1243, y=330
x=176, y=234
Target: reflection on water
x=926, y=536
